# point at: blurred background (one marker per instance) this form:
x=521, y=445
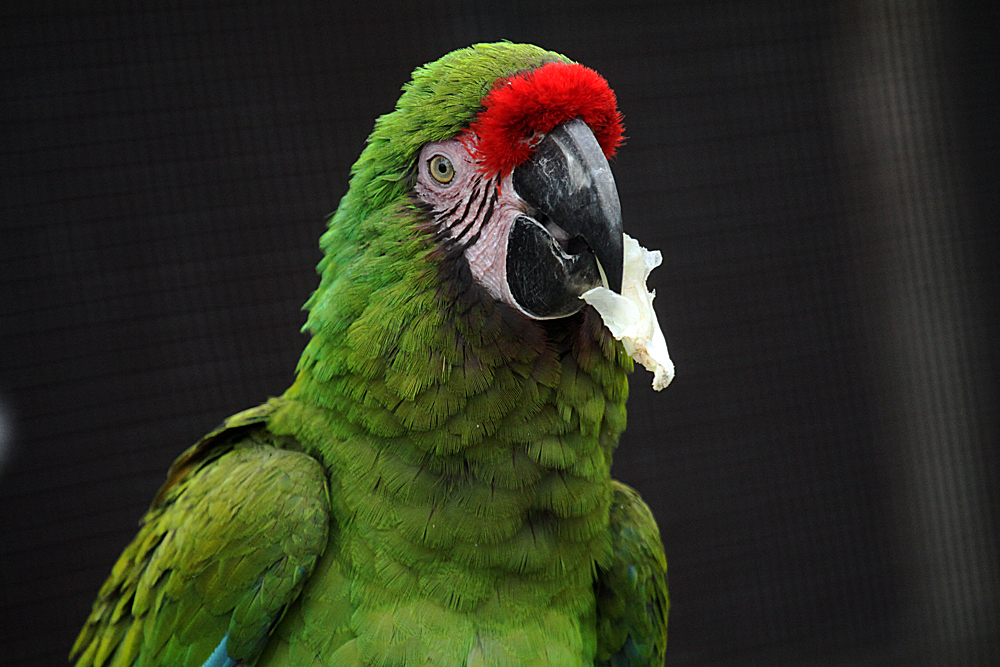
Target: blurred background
x=820, y=177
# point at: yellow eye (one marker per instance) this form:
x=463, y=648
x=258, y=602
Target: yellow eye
x=441, y=169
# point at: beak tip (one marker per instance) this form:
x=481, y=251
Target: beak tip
x=612, y=256
x=615, y=285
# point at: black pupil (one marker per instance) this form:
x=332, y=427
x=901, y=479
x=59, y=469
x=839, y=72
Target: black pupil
x=442, y=166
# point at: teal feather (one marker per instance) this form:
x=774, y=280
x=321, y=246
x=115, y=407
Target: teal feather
x=219, y=657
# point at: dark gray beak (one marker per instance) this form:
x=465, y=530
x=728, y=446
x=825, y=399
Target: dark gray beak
x=553, y=255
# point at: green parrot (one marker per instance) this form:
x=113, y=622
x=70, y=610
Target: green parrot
x=434, y=488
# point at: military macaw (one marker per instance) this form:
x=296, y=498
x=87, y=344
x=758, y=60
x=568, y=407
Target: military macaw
x=434, y=488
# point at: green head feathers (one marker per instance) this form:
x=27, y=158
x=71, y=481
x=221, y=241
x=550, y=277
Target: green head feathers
x=442, y=99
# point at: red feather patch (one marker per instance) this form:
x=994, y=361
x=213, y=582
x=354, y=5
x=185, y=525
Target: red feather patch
x=521, y=109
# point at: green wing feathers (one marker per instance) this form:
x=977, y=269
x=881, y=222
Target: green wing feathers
x=229, y=541
x=632, y=600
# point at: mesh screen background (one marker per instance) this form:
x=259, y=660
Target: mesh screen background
x=820, y=178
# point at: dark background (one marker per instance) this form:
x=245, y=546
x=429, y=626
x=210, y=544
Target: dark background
x=821, y=179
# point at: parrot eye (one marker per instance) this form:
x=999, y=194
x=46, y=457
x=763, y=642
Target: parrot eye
x=441, y=169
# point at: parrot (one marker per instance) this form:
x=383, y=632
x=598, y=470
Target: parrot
x=434, y=487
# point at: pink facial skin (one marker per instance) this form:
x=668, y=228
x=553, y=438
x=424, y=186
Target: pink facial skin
x=472, y=209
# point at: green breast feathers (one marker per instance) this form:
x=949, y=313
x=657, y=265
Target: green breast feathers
x=435, y=487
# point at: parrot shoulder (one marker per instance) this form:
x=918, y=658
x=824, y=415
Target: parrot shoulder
x=632, y=599
x=227, y=545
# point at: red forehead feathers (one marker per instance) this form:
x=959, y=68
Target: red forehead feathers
x=522, y=108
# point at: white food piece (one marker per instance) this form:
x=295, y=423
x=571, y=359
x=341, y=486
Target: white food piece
x=630, y=316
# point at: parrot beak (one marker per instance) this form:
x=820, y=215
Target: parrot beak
x=573, y=241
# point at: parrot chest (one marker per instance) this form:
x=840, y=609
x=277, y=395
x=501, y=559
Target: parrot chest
x=464, y=579
x=464, y=540
x=387, y=609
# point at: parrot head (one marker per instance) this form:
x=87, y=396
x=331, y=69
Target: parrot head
x=525, y=193
x=503, y=149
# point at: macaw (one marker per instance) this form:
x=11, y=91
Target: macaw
x=434, y=487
